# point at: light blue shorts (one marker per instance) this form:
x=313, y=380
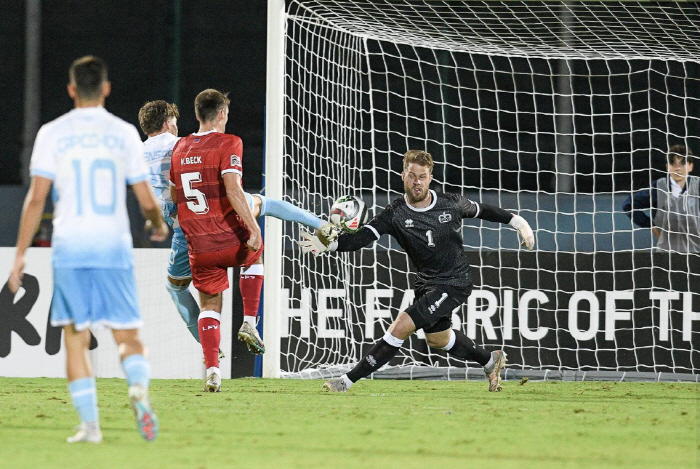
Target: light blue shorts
x=95, y=297
x=179, y=263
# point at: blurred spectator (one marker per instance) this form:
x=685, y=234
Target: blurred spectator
x=674, y=203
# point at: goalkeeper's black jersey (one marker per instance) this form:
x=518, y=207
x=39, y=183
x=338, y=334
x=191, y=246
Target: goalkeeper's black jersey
x=432, y=237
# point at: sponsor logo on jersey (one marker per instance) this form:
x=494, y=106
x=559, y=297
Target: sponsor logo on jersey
x=92, y=140
x=157, y=155
x=409, y=223
x=191, y=160
x=235, y=160
x=445, y=217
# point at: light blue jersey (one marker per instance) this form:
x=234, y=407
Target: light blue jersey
x=157, y=152
x=91, y=156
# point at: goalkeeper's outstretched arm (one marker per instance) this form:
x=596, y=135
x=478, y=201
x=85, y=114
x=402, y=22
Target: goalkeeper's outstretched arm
x=321, y=242
x=497, y=214
x=354, y=241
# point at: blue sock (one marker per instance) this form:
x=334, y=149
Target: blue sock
x=137, y=370
x=83, y=392
x=186, y=305
x=286, y=211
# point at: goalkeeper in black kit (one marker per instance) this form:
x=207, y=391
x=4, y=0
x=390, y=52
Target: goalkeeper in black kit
x=428, y=226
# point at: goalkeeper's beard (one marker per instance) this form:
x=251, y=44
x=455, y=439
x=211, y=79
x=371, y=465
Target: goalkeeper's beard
x=414, y=199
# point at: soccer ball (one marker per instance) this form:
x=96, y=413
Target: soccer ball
x=349, y=212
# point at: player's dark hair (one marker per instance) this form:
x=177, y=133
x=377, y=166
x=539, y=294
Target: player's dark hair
x=88, y=74
x=679, y=152
x=208, y=103
x=154, y=114
x=420, y=157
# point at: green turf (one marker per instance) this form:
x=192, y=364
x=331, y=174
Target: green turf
x=256, y=423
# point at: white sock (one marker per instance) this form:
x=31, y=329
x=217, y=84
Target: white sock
x=490, y=364
x=391, y=340
x=214, y=370
x=252, y=320
x=451, y=342
x=348, y=383
x=92, y=426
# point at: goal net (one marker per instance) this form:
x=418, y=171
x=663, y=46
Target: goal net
x=557, y=112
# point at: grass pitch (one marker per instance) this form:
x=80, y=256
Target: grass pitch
x=260, y=423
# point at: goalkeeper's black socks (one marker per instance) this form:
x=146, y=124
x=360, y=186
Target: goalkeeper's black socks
x=465, y=348
x=379, y=355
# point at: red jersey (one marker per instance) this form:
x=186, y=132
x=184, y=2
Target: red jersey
x=199, y=162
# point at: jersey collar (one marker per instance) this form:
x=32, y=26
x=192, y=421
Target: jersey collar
x=675, y=188
x=432, y=204
x=88, y=110
x=199, y=134
x=163, y=136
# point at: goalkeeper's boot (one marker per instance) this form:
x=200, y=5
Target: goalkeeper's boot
x=249, y=335
x=221, y=357
x=494, y=373
x=145, y=417
x=335, y=385
x=87, y=433
x=213, y=382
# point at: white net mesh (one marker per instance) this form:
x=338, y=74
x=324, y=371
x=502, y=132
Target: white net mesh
x=555, y=112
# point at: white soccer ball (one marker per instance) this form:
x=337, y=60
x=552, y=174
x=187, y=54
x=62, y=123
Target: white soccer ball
x=349, y=212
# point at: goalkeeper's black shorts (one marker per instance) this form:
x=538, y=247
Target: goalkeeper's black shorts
x=433, y=306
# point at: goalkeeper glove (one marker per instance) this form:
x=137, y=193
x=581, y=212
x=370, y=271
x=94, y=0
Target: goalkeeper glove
x=524, y=231
x=316, y=243
x=328, y=233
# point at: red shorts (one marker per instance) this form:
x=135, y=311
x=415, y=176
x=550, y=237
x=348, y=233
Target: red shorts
x=210, y=269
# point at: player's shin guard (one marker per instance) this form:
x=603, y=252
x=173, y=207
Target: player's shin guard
x=210, y=336
x=463, y=347
x=286, y=211
x=137, y=370
x=250, y=283
x=378, y=356
x=84, y=395
x=186, y=305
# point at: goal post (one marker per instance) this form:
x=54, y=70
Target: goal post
x=557, y=112
x=274, y=184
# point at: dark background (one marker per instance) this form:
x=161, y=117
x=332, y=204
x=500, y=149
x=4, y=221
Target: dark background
x=173, y=49
x=492, y=117
x=221, y=45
